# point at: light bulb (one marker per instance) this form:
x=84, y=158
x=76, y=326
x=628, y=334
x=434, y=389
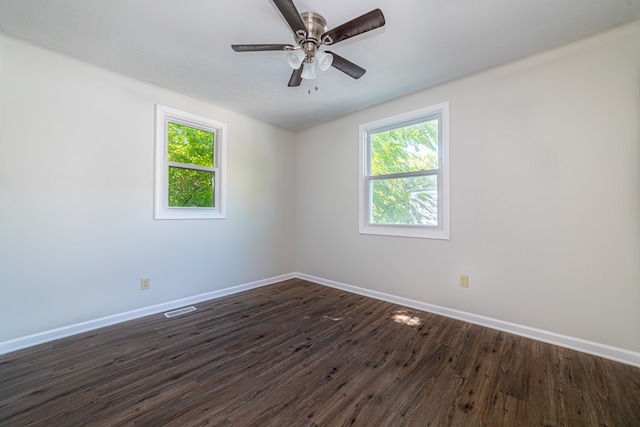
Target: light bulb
x=295, y=58
x=324, y=60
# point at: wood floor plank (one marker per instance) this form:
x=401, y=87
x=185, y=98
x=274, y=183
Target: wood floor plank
x=297, y=353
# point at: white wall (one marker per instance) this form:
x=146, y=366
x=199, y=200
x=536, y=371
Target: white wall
x=76, y=198
x=545, y=196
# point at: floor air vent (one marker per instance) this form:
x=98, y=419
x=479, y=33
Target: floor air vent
x=178, y=312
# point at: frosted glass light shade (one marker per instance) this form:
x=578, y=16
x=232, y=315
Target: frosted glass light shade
x=324, y=60
x=309, y=70
x=295, y=58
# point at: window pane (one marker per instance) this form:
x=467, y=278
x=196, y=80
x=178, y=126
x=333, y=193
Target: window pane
x=190, y=188
x=405, y=201
x=405, y=149
x=189, y=145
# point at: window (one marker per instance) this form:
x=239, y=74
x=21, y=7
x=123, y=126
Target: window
x=190, y=166
x=404, y=179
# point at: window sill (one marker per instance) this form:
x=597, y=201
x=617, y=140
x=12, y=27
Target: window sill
x=406, y=231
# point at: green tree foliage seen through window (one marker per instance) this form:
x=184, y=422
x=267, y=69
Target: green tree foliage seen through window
x=190, y=184
x=400, y=199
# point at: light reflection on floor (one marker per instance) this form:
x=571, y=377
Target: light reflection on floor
x=403, y=316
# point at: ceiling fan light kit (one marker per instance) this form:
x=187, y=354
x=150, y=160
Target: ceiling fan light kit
x=310, y=34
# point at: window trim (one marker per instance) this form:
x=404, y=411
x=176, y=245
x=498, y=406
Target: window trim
x=164, y=115
x=441, y=231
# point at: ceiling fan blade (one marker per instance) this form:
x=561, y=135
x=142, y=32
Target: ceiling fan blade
x=367, y=22
x=346, y=66
x=260, y=47
x=291, y=15
x=296, y=78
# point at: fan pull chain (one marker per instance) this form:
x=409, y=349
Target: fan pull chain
x=313, y=84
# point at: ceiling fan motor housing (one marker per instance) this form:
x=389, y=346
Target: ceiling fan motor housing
x=316, y=26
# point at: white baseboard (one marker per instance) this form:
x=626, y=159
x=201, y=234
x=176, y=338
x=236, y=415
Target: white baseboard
x=602, y=350
x=65, y=331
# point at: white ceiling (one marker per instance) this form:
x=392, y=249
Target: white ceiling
x=185, y=45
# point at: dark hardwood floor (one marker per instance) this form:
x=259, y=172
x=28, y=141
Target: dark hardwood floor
x=301, y=354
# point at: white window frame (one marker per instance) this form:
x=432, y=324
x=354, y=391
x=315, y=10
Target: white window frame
x=441, y=231
x=164, y=115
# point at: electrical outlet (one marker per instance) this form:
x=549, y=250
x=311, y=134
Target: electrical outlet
x=145, y=283
x=464, y=281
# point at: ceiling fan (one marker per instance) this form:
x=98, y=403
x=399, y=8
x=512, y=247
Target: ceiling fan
x=310, y=34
